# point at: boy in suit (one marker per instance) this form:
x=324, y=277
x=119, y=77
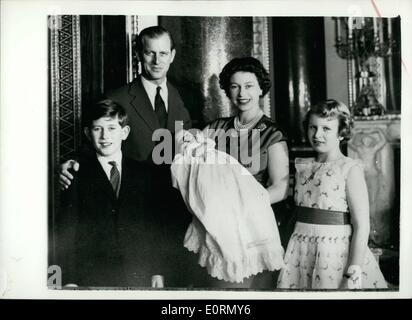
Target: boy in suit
x=151, y=103
x=104, y=222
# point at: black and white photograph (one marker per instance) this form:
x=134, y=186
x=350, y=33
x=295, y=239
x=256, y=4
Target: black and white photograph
x=188, y=152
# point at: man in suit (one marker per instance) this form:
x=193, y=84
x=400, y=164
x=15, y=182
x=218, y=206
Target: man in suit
x=153, y=103
x=150, y=101
x=104, y=221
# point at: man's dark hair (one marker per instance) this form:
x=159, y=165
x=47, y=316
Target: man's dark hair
x=105, y=108
x=152, y=33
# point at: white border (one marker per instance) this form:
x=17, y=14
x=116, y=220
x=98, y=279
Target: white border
x=23, y=136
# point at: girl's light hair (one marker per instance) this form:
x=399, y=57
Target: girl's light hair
x=332, y=109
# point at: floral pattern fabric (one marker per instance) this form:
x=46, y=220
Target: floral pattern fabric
x=317, y=255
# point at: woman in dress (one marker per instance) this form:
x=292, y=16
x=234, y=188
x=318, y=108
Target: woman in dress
x=245, y=81
x=253, y=139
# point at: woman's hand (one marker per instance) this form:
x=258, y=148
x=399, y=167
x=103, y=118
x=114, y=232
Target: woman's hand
x=198, y=145
x=278, y=168
x=352, y=279
x=202, y=149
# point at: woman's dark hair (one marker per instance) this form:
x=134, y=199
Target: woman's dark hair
x=332, y=109
x=105, y=108
x=246, y=64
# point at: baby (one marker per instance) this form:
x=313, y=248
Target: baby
x=233, y=230
x=187, y=143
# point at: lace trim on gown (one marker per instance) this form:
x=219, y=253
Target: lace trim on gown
x=268, y=256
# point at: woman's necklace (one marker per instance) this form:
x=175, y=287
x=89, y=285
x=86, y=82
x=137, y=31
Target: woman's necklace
x=238, y=126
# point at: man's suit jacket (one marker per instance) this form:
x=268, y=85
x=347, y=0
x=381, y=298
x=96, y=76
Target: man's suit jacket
x=105, y=241
x=142, y=118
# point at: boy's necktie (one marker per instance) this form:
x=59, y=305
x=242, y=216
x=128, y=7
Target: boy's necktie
x=160, y=109
x=115, y=177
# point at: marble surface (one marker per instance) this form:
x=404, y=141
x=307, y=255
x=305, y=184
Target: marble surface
x=373, y=142
x=203, y=47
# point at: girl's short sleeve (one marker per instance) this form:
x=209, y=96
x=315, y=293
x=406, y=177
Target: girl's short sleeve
x=302, y=164
x=349, y=164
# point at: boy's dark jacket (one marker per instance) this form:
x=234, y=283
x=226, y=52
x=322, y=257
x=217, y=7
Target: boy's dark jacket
x=103, y=241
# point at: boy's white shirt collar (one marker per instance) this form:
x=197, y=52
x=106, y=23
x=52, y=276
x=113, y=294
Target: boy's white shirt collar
x=104, y=161
x=150, y=88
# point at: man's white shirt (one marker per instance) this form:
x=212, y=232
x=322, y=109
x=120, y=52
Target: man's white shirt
x=151, y=88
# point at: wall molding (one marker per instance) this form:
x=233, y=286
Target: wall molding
x=65, y=86
x=261, y=52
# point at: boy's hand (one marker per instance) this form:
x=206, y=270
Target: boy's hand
x=65, y=176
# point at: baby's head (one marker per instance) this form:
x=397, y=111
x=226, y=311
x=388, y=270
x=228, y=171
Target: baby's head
x=332, y=109
x=106, y=127
x=186, y=141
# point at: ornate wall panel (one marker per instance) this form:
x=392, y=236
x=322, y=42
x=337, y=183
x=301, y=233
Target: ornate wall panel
x=131, y=35
x=261, y=52
x=65, y=86
x=64, y=104
x=376, y=144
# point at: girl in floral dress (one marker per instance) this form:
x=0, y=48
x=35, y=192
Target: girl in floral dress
x=328, y=248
